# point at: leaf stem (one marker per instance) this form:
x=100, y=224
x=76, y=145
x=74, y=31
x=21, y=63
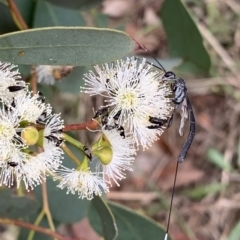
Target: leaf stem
x=36, y=223
x=70, y=154
x=16, y=15
x=46, y=206
x=46, y=231
x=73, y=141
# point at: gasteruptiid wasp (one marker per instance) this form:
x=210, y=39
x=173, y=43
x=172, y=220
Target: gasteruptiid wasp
x=179, y=89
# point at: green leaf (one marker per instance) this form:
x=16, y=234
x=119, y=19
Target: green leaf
x=215, y=157
x=76, y=4
x=131, y=225
x=76, y=46
x=12, y=206
x=234, y=235
x=65, y=208
x=101, y=216
x=202, y=191
x=48, y=15
x=183, y=36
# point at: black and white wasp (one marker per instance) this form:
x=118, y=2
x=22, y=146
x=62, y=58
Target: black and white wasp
x=179, y=89
x=180, y=98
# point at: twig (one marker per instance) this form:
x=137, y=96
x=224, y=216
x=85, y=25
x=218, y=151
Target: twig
x=233, y=5
x=229, y=62
x=92, y=124
x=17, y=17
x=46, y=231
x=145, y=197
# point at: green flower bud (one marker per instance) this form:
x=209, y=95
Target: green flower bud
x=30, y=135
x=104, y=154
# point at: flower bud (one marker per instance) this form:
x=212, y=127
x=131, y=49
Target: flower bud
x=104, y=154
x=30, y=135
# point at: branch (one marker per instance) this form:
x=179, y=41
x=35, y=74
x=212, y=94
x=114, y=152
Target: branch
x=17, y=17
x=45, y=231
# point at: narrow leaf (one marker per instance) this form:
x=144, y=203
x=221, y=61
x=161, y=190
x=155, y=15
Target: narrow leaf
x=131, y=225
x=76, y=46
x=105, y=219
x=183, y=36
x=217, y=158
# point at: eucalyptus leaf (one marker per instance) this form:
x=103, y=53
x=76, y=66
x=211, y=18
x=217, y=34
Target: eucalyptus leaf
x=47, y=15
x=101, y=216
x=77, y=46
x=131, y=225
x=75, y=4
x=184, y=39
x=12, y=206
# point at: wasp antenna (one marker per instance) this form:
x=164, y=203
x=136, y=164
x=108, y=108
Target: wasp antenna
x=171, y=202
x=161, y=66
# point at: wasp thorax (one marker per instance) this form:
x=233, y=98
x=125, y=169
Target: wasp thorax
x=30, y=135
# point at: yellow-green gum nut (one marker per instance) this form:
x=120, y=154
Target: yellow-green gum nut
x=30, y=135
x=104, y=154
x=84, y=164
x=101, y=142
x=40, y=138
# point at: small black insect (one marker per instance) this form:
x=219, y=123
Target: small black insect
x=158, y=122
x=42, y=117
x=15, y=88
x=103, y=112
x=88, y=152
x=12, y=164
x=54, y=139
x=41, y=97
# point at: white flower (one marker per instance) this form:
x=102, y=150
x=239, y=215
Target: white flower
x=83, y=182
x=9, y=137
x=21, y=166
x=47, y=74
x=32, y=108
x=123, y=151
x=10, y=82
x=53, y=130
x=18, y=133
x=134, y=92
